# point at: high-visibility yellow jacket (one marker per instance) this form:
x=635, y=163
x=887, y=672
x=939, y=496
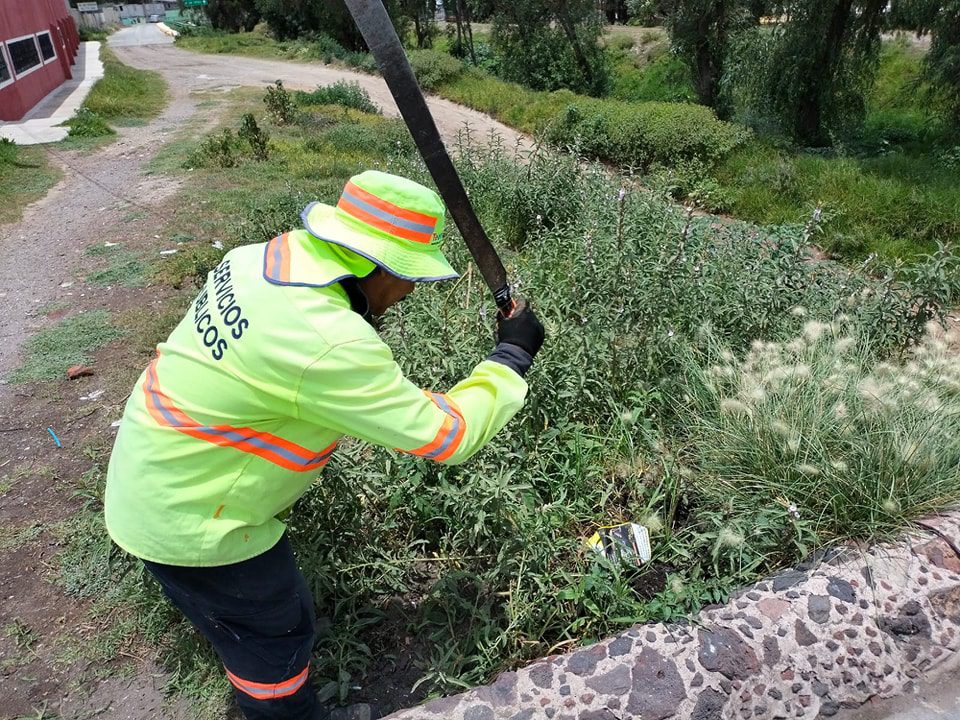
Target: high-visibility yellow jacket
x=246, y=400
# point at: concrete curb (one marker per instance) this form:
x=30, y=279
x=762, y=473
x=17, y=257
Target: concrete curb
x=167, y=30
x=858, y=624
x=43, y=124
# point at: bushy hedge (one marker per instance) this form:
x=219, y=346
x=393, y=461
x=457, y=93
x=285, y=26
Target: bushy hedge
x=434, y=68
x=643, y=134
x=346, y=94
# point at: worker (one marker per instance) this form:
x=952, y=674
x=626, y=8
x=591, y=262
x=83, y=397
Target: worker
x=277, y=359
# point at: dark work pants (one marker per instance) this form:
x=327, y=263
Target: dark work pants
x=258, y=615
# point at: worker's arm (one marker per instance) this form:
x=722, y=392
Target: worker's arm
x=358, y=389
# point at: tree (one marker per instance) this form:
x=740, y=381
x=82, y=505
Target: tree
x=463, y=46
x=700, y=32
x=550, y=44
x=233, y=15
x=298, y=18
x=421, y=13
x=809, y=75
x=943, y=61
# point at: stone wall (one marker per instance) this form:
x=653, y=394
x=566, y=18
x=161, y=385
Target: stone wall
x=862, y=622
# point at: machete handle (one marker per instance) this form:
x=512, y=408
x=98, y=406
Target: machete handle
x=506, y=305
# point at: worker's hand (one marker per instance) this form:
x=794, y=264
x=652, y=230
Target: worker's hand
x=522, y=329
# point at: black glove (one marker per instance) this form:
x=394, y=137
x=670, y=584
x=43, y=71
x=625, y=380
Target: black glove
x=522, y=329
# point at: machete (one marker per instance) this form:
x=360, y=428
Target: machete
x=378, y=32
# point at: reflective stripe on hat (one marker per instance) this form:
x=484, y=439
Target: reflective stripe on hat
x=450, y=434
x=269, y=691
x=386, y=216
x=277, y=260
x=269, y=447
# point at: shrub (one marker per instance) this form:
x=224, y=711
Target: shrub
x=641, y=134
x=433, y=68
x=325, y=48
x=347, y=94
x=620, y=41
x=629, y=290
x=279, y=105
x=541, y=58
x=665, y=78
x=88, y=34
x=87, y=124
x=217, y=150
x=257, y=140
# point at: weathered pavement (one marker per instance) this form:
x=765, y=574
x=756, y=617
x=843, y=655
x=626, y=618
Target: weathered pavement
x=136, y=35
x=938, y=699
x=808, y=643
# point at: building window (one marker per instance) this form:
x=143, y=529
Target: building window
x=6, y=77
x=24, y=54
x=46, y=47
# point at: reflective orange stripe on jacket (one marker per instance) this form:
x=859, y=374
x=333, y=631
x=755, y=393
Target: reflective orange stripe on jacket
x=269, y=691
x=276, y=260
x=450, y=434
x=269, y=447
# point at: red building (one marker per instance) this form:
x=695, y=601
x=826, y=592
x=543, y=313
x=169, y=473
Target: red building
x=38, y=42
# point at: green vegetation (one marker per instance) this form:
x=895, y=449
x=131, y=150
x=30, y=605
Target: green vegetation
x=660, y=323
x=347, y=94
x=50, y=352
x=639, y=135
x=123, y=267
x=123, y=96
x=95, y=34
x=13, y=537
x=897, y=205
x=894, y=191
x=26, y=174
x=634, y=134
x=85, y=123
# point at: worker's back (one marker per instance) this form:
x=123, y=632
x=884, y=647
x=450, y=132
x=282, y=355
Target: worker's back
x=211, y=447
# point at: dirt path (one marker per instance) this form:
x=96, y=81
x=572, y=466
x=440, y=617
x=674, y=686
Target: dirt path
x=194, y=71
x=42, y=251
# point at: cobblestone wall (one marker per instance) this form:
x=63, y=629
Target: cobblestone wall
x=862, y=622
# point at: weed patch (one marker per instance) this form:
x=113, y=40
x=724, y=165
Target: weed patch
x=125, y=95
x=123, y=267
x=897, y=205
x=50, y=352
x=26, y=174
x=12, y=538
x=347, y=94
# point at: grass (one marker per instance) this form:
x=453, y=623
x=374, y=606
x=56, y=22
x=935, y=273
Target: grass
x=640, y=301
x=12, y=538
x=894, y=190
x=123, y=267
x=51, y=351
x=125, y=95
x=631, y=134
x=899, y=205
x=26, y=175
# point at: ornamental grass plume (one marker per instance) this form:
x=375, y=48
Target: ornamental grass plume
x=858, y=443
